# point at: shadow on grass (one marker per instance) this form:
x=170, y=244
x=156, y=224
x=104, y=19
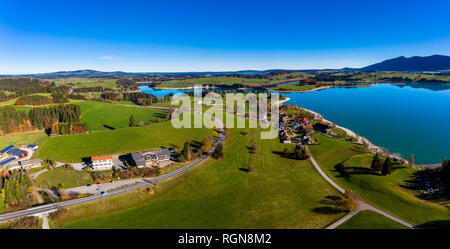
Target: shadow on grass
x=438, y=224
x=108, y=127
x=333, y=205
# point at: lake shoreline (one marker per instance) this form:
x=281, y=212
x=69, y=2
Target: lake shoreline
x=360, y=139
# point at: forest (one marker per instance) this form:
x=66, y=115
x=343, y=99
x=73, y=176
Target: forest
x=58, y=119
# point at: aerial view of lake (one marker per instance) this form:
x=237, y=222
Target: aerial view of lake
x=402, y=119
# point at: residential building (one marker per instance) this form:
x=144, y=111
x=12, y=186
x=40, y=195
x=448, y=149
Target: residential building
x=151, y=158
x=144, y=159
x=102, y=162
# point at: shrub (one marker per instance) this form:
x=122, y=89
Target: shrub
x=58, y=214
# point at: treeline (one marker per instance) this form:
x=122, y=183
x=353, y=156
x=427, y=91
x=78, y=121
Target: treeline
x=91, y=89
x=135, y=97
x=34, y=100
x=127, y=84
x=15, y=191
x=13, y=120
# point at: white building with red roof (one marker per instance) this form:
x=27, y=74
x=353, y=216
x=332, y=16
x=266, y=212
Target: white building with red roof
x=102, y=162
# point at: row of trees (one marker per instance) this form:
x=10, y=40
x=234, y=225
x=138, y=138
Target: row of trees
x=13, y=120
x=15, y=191
x=135, y=97
x=69, y=128
x=34, y=100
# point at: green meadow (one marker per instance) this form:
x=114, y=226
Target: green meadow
x=87, y=82
x=385, y=192
x=279, y=193
x=72, y=148
x=370, y=220
x=69, y=178
x=104, y=116
x=35, y=137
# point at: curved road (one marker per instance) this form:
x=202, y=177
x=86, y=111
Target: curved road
x=146, y=182
x=362, y=205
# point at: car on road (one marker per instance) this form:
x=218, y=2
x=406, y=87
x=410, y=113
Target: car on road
x=103, y=193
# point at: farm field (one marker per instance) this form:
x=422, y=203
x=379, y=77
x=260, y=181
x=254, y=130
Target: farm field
x=370, y=220
x=103, y=116
x=87, y=82
x=279, y=193
x=68, y=178
x=72, y=148
x=385, y=192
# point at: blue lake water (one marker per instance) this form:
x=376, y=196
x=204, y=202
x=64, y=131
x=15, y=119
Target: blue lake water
x=405, y=120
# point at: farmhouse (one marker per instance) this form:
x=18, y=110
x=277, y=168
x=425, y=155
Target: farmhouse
x=29, y=164
x=17, y=152
x=151, y=158
x=102, y=162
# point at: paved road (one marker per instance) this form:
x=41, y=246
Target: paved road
x=145, y=182
x=361, y=204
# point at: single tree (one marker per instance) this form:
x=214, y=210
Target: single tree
x=132, y=121
x=387, y=167
x=186, y=152
x=376, y=163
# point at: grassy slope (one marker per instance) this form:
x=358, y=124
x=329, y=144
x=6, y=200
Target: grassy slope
x=72, y=148
x=99, y=114
x=68, y=177
x=37, y=137
x=293, y=87
x=280, y=193
x=370, y=220
x=384, y=192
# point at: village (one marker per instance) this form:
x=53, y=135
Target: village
x=298, y=128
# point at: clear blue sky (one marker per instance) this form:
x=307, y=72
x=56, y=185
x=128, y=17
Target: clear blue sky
x=163, y=36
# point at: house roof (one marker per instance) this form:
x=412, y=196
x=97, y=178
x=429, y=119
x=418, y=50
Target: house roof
x=16, y=152
x=30, y=162
x=7, y=161
x=32, y=146
x=163, y=152
x=7, y=149
x=98, y=158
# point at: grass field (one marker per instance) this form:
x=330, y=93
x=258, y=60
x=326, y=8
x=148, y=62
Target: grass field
x=370, y=220
x=37, y=137
x=384, y=192
x=69, y=178
x=87, y=82
x=279, y=193
x=72, y=148
x=103, y=116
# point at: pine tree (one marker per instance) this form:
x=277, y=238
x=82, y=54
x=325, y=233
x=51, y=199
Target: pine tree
x=376, y=163
x=132, y=121
x=186, y=152
x=387, y=167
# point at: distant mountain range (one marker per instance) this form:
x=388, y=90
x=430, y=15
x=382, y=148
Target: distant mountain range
x=415, y=64
x=403, y=64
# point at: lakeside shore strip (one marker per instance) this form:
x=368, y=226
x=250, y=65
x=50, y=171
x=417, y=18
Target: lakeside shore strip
x=359, y=139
